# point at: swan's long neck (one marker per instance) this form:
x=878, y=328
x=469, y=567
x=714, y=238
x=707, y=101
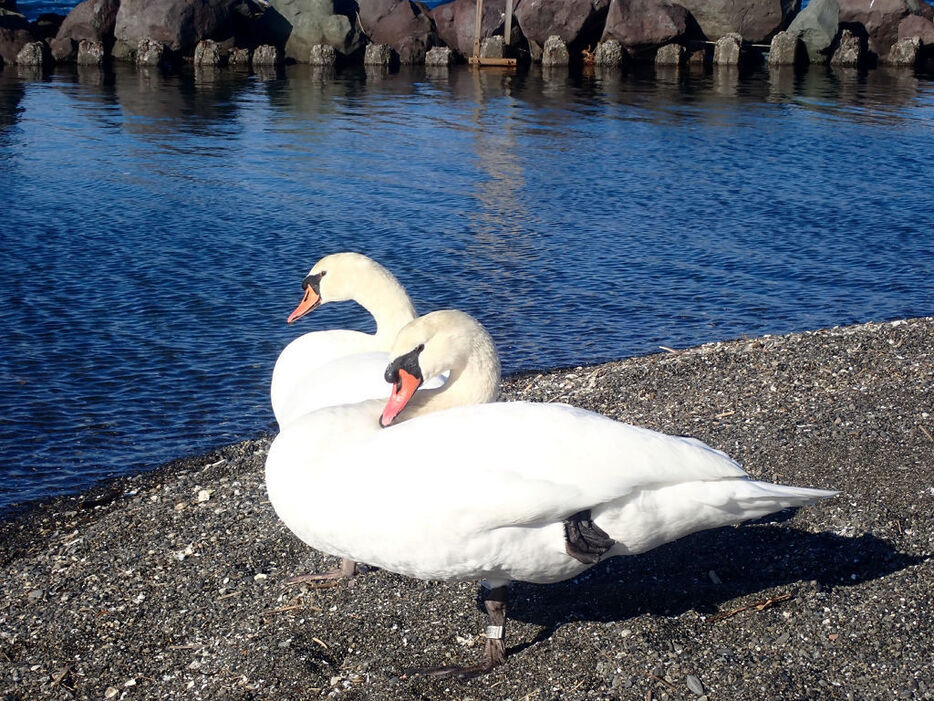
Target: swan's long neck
x=473, y=379
x=383, y=296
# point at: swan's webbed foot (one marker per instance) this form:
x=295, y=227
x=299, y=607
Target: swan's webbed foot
x=494, y=652
x=493, y=656
x=348, y=569
x=584, y=539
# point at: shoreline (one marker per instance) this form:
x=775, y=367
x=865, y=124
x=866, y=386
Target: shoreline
x=170, y=583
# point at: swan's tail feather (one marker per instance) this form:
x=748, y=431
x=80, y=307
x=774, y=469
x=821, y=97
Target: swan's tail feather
x=657, y=516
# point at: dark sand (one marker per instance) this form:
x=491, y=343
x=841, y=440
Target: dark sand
x=170, y=585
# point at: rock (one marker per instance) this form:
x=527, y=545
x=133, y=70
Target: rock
x=727, y=49
x=405, y=26
x=32, y=54
x=456, y=23
x=694, y=684
x=149, y=52
x=377, y=55
x=609, y=53
x=239, y=57
x=880, y=19
x=670, y=55
x=267, y=55
x=298, y=25
x=917, y=26
x=90, y=53
x=14, y=35
x=176, y=24
x=849, y=51
x=439, y=56
x=816, y=26
x=493, y=47
x=787, y=49
x=93, y=20
x=322, y=55
x=754, y=20
x=642, y=24
x=63, y=50
x=578, y=23
x=555, y=52
x=904, y=52
x=207, y=53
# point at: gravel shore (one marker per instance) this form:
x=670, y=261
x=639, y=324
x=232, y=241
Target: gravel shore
x=171, y=584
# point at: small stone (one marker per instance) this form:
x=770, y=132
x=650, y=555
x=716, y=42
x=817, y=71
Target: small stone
x=439, y=56
x=204, y=495
x=111, y=692
x=32, y=54
x=727, y=49
x=267, y=55
x=259, y=577
x=493, y=47
x=609, y=53
x=90, y=53
x=377, y=55
x=149, y=53
x=35, y=595
x=207, y=53
x=694, y=684
x=670, y=55
x=239, y=57
x=555, y=52
x=322, y=55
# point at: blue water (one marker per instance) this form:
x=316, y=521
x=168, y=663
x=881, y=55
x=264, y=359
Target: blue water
x=155, y=229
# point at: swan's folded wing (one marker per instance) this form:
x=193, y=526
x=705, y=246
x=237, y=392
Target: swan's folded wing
x=507, y=464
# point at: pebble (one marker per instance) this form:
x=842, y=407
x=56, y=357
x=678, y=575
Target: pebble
x=694, y=684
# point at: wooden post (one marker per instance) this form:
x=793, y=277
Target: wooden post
x=508, y=30
x=476, y=39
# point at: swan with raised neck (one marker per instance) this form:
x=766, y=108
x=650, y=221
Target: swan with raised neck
x=339, y=366
x=351, y=276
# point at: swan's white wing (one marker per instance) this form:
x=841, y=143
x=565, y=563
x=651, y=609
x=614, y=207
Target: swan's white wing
x=517, y=463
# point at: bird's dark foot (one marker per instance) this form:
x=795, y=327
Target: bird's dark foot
x=331, y=578
x=494, y=653
x=584, y=540
x=493, y=656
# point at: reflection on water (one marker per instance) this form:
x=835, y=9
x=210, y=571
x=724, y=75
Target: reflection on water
x=157, y=227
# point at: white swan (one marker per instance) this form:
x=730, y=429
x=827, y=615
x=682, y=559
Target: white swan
x=340, y=366
x=498, y=492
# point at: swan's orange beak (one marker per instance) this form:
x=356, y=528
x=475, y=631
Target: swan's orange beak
x=309, y=302
x=402, y=392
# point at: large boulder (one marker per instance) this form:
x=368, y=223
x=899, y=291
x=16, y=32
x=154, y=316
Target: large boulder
x=298, y=25
x=14, y=35
x=579, y=23
x=917, y=26
x=640, y=24
x=405, y=26
x=816, y=26
x=177, y=24
x=93, y=20
x=755, y=20
x=456, y=23
x=880, y=20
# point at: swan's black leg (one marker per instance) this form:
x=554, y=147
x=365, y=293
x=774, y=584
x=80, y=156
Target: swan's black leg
x=348, y=569
x=494, y=651
x=585, y=540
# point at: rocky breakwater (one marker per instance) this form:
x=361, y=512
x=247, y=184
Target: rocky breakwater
x=859, y=32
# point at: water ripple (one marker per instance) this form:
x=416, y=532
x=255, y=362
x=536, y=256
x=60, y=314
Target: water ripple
x=159, y=226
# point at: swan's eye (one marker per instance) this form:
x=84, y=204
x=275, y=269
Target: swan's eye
x=313, y=281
